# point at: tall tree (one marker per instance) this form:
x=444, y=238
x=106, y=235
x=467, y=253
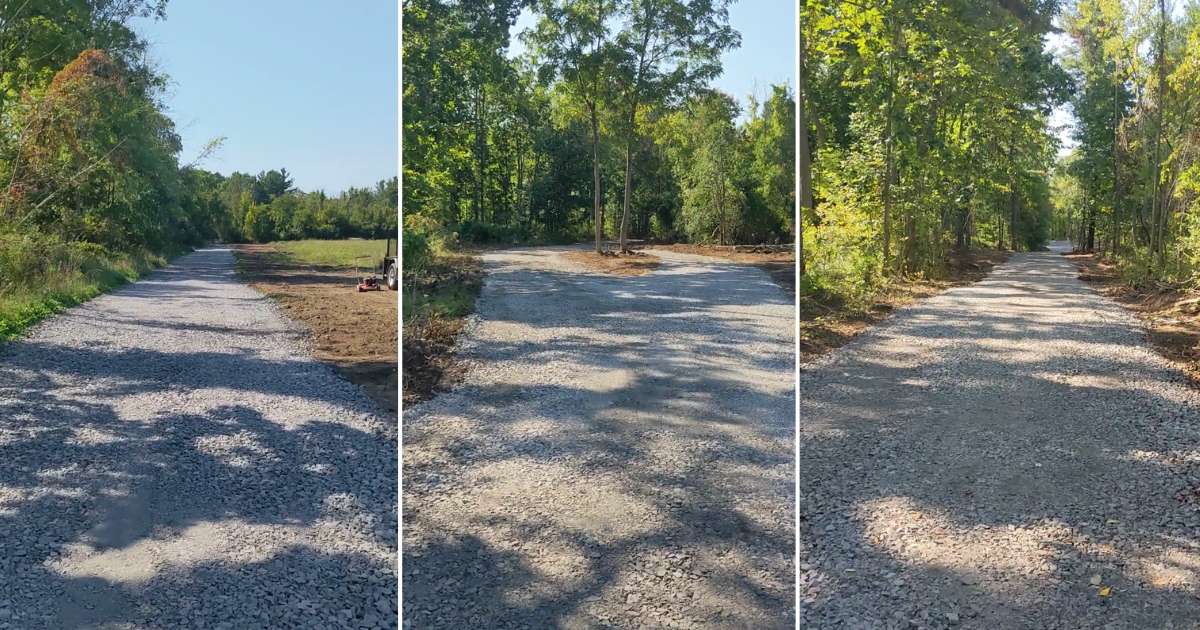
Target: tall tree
x=572, y=42
x=667, y=48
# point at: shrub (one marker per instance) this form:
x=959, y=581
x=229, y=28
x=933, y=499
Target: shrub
x=415, y=253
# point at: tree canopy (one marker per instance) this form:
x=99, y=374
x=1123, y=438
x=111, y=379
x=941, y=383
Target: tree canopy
x=590, y=132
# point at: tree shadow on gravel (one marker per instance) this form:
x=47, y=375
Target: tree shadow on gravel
x=109, y=517
x=967, y=465
x=593, y=474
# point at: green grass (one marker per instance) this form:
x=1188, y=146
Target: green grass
x=445, y=288
x=335, y=253
x=455, y=300
x=59, y=283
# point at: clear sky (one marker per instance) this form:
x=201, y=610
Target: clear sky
x=767, y=55
x=308, y=86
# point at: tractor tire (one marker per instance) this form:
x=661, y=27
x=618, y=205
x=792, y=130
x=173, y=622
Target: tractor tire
x=393, y=278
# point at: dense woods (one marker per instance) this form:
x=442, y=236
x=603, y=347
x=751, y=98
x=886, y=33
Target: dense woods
x=1130, y=190
x=605, y=127
x=925, y=129
x=926, y=133
x=92, y=190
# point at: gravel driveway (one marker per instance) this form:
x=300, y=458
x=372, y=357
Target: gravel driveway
x=170, y=457
x=619, y=455
x=1005, y=455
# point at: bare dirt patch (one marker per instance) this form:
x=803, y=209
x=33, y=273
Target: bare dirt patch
x=828, y=322
x=631, y=263
x=355, y=332
x=1171, y=314
x=781, y=265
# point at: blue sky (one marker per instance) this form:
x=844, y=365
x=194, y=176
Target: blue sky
x=767, y=54
x=309, y=86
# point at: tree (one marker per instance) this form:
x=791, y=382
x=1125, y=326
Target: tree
x=668, y=48
x=572, y=42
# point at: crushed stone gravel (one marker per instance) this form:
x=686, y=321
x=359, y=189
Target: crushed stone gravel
x=619, y=454
x=1010, y=454
x=172, y=457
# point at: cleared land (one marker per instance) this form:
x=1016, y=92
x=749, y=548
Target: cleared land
x=780, y=265
x=314, y=283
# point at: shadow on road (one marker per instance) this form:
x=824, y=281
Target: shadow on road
x=994, y=448
x=621, y=456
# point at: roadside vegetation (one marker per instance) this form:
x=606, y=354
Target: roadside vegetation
x=41, y=276
x=439, y=286
x=93, y=192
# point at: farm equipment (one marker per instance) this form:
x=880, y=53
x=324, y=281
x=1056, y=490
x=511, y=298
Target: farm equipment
x=386, y=270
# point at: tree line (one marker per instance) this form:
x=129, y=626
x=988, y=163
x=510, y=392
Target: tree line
x=1130, y=190
x=924, y=133
x=605, y=126
x=89, y=161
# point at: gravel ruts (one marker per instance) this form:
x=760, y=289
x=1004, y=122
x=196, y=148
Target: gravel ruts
x=170, y=457
x=619, y=454
x=1010, y=454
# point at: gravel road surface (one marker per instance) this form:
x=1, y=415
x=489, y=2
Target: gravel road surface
x=170, y=457
x=619, y=455
x=1005, y=455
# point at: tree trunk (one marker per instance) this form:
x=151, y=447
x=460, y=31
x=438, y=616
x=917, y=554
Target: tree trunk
x=1091, y=229
x=596, y=200
x=890, y=159
x=806, y=196
x=1116, y=158
x=628, y=179
x=632, y=131
x=1157, y=227
x=480, y=140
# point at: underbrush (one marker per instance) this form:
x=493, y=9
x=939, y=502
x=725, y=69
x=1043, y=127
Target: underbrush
x=437, y=298
x=40, y=276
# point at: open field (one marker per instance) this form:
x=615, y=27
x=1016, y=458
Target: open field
x=340, y=254
x=314, y=283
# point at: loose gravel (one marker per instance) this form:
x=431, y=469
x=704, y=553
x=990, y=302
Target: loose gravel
x=1010, y=454
x=618, y=455
x=171, y=457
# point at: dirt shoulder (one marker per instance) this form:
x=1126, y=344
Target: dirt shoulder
x=437, y=302
x=780, y=265
x=355, y=332
x=1170, y=314
x=827, y=322
x=633, y=263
